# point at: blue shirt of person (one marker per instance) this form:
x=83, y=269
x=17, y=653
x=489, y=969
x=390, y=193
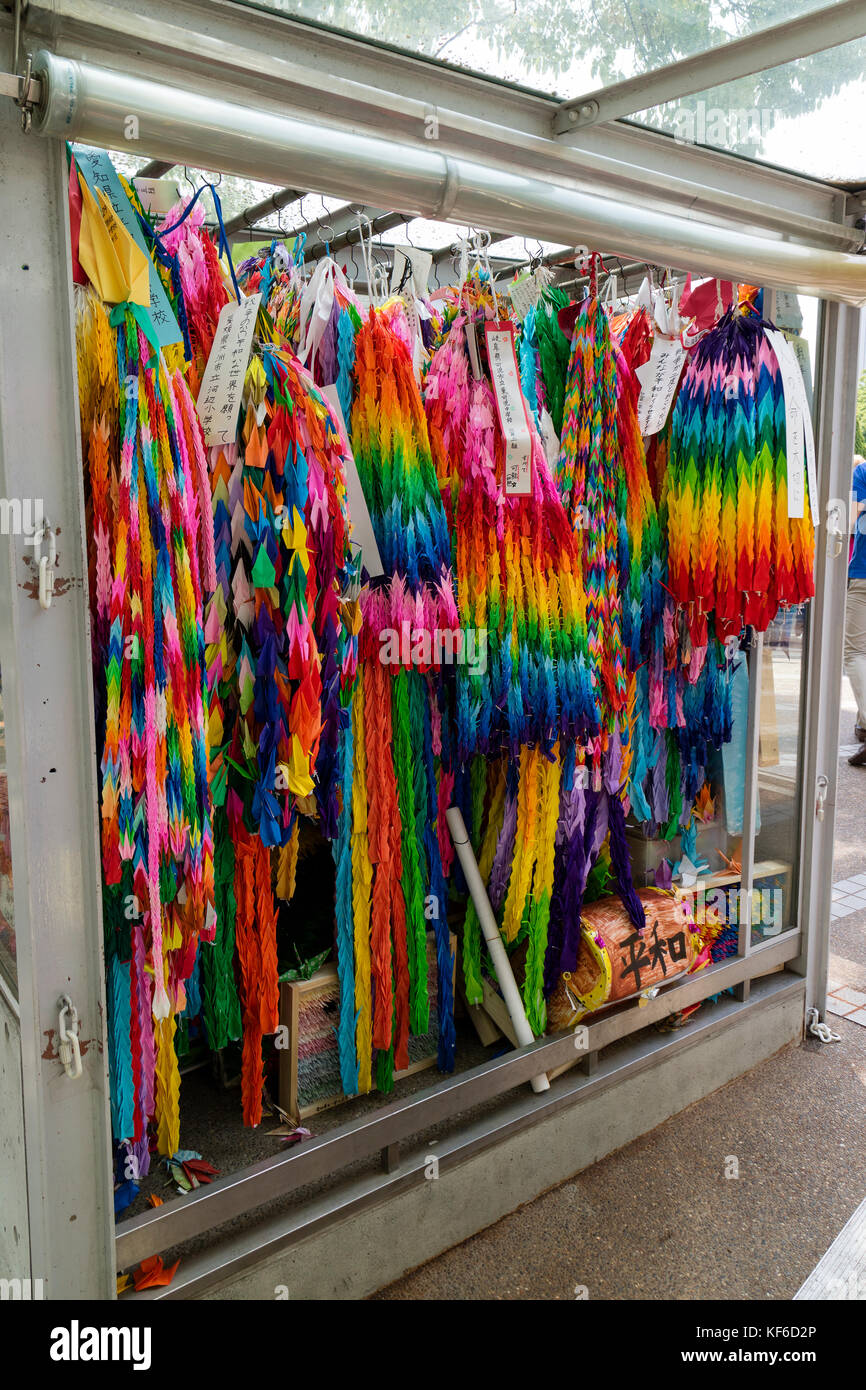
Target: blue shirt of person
x=857, y=563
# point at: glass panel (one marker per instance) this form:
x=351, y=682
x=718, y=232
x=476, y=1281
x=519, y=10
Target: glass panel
x=564, y=49
x=805, y=116
x=802, y=115
x=8, y=965
x=782, y=703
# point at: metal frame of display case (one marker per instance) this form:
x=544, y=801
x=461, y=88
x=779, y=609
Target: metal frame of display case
x=329, y=89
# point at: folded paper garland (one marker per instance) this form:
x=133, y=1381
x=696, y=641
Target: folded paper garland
x=409, y=621
x=156, y=815
x=733, y=550
x=548, y=663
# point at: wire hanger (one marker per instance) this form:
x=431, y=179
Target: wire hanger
x=324, y=228
x=354, y=264
x=326, y=235
x=481, y=242
x=607, y=298
x=376, y=289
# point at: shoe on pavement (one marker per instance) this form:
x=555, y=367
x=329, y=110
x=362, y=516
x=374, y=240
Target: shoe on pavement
x=859, y=758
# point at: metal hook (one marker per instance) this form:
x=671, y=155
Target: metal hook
x=326, y=235
x=385, y=261
x=481, y=239
x=324, y=228
x=354, y=263
x=278, y=212
x=189, y=180
x=367, y=245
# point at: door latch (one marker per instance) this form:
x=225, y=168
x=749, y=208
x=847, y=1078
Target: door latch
x=836, y=534
x=822, y=787
x=45, y=563
x=70, y=1050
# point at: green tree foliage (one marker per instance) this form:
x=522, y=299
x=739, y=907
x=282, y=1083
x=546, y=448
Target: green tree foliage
x=860, y=429
x=544, y=43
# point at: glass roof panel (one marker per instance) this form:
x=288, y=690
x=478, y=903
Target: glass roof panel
x=563, y=47
x=567, y=48
x=805, y=116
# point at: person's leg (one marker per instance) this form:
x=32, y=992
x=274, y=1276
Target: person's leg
x=855, y=645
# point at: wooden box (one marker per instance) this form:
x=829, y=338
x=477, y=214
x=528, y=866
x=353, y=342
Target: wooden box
x=309, y=1076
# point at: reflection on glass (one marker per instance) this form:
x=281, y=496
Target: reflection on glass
x=781, y=703
x=7, y=913
x=779, y=743
x=805, y=116
x=564, y=49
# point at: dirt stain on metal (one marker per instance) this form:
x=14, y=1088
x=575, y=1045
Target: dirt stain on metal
x=51, y=1055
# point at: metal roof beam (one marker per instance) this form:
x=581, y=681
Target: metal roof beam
x=344, y=225
x=156, y=169
x=247, y=220
x=85, y=102
x=299, y=69
x=768, y=48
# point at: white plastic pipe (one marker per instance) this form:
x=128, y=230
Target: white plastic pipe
x=79, y=101
x=498, y=953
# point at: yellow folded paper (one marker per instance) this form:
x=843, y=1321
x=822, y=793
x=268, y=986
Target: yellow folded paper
x=118, y=269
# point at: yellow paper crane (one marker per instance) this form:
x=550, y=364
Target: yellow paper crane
x=118, y=269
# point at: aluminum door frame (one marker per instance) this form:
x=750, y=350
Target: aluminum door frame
x=51, y=753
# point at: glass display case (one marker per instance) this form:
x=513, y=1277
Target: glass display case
x=765, y=837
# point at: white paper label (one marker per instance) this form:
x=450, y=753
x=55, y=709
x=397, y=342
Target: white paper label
x=512, y=410
x=658, y=381
x=523, y=293
x=419, y=263
x=363, y=534
x=800, y=441
x=527, y=288
x=157, y=195
x=219, y=399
